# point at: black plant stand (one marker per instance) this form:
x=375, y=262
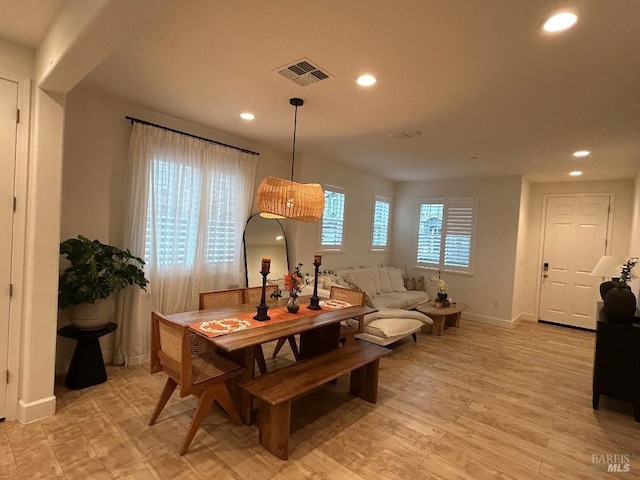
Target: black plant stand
x=87, y=366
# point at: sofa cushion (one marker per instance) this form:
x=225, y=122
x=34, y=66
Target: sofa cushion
x=363, y=278
x=376, y=278
x=385, y=283
x=399, y=299
x=391, y=327
x=397, y=282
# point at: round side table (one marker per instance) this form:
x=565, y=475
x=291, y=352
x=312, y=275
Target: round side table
x=87, y=366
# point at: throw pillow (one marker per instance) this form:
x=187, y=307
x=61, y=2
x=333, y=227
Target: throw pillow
x=408, y=283
x=395, y=276
x=363, y=278
x=385, y=283
x=376, y=278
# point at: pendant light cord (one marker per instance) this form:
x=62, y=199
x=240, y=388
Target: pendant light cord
x=293, y=154
x=296, y=102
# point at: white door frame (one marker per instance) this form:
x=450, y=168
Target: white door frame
x=18, y=257
x=543, y=220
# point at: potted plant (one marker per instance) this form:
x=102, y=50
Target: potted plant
x=96, y=271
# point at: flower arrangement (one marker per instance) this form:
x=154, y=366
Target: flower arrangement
x=442, y=289
x=294, y=281
x=628, y=271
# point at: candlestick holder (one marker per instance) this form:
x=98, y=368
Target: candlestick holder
x=261, y=316
x=314, y=301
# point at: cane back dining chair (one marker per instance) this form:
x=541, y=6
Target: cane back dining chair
x=233, y=298
x=348, y=329
x=203, y=376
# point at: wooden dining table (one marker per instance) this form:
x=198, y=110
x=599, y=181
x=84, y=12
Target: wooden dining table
x=319, y=332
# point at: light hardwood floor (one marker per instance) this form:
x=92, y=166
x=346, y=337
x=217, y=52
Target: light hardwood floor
x=478, y=402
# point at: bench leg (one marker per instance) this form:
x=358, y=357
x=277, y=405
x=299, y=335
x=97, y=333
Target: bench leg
x=274, y=427
x=364, y=381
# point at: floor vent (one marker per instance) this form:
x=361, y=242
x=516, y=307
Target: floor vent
x=303, y=72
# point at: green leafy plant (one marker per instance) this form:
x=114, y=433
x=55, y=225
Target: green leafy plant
x=96, y=271
x=628, y=272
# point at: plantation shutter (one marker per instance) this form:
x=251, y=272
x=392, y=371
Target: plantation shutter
x=430, y=233
x=445, y=233
x=332, y=219
x=458, y=226
x=380, y=223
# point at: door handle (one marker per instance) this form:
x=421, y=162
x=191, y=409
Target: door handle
x=545, y=275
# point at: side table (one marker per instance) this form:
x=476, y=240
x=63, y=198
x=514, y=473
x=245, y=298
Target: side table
x=449, y=315
x=616, y=367
x=87, y=366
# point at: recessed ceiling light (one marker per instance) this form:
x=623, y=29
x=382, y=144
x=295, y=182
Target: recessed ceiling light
x=581, y=153
x=560, y=22
x=366, y=80
x=247, y=116
x=280, y=237
x=575, y=173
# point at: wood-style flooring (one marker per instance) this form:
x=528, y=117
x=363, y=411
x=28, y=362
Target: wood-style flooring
x=478, y=402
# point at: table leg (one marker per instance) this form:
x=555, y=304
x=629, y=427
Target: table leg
x=87, y=366
x=243, y=398
x=319, y=340
x=438, y=324
x=453, y=320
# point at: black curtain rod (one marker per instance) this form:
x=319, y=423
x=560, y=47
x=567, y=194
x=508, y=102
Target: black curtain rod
x=189, y=135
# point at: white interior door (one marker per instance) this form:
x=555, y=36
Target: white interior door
x=8, y=109
x=575, y=237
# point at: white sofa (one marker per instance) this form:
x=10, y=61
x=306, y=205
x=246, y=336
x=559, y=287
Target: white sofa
x=393, y=295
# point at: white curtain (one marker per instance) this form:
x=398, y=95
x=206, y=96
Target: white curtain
x=188, y=206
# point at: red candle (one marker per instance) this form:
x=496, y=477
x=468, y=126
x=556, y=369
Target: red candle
x=266, y=263
x=317, y=260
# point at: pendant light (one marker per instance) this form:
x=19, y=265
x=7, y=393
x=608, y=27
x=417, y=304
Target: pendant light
x=280, y=198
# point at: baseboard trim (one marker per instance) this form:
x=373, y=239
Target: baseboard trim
x=34, y=411
x=555, y=324
x=498, y=322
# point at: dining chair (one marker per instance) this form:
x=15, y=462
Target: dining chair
x=221, y=298
x=203, y=376
x=232, y=298
x=253, y=295
x=347, y=330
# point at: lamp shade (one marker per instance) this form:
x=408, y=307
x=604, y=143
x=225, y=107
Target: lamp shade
x=279, y=198
x=608, y=266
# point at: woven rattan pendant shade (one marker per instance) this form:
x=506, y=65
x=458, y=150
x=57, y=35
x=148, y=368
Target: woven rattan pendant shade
x=280, y=198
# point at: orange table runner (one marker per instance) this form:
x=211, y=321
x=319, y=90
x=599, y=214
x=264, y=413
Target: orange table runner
x=223, y=326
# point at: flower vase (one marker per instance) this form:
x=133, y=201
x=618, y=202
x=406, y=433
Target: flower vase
x=292, y=305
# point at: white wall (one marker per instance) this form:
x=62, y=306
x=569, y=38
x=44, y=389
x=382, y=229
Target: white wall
x=622, y=218
x=522, y=309
x=495, y=241
x=634, y=243
x=360, y=188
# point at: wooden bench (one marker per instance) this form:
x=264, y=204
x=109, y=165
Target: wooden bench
x=275, y=390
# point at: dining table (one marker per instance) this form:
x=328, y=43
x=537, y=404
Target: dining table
x=319, y=332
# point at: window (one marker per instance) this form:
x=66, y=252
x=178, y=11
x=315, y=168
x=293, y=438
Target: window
x=445, y=233
x=174, y=215
x=332, y=231
x=380, y=230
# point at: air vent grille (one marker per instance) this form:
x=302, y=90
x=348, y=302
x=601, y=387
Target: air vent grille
x=303, y=72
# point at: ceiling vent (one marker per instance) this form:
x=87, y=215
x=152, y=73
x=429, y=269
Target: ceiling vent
x=405, y=135
x=303, y=72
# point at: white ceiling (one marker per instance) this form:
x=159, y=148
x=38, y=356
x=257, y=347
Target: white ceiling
x=477, y=78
